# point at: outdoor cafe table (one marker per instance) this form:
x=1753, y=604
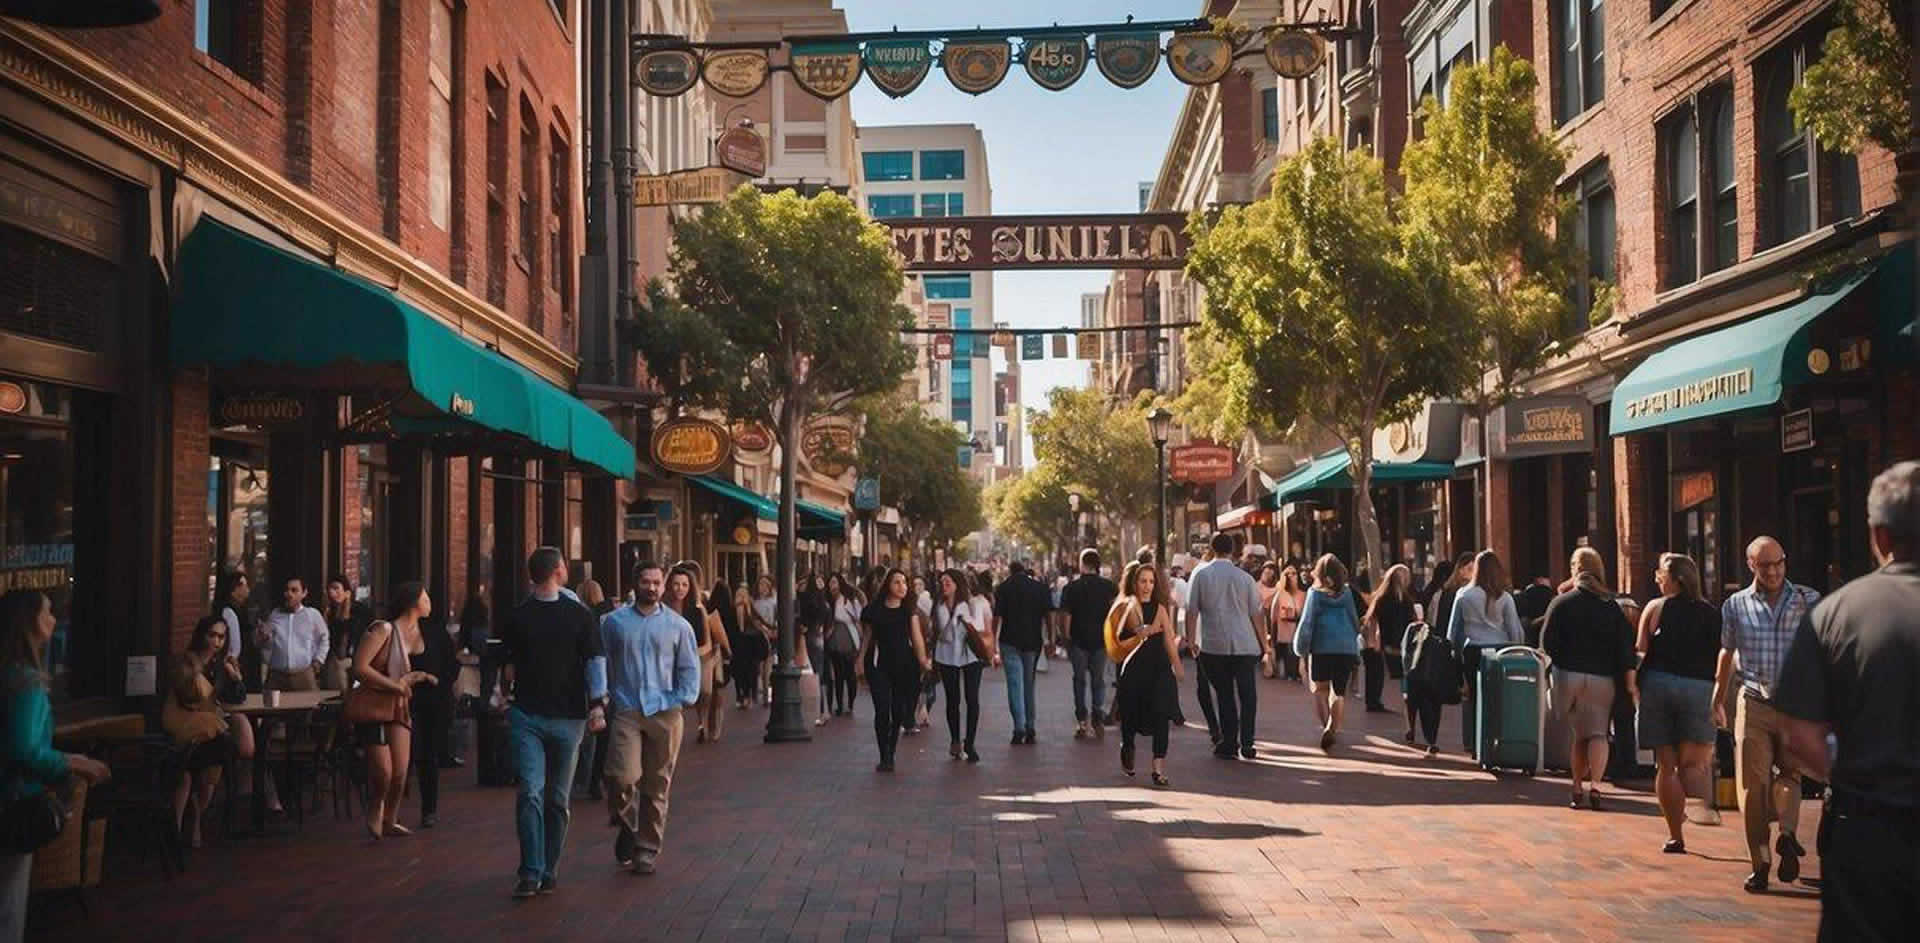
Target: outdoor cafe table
x=263, y=718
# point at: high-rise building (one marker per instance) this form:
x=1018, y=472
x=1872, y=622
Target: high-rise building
x=938, y=170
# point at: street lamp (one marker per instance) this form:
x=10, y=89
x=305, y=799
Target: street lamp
x=1159, y=426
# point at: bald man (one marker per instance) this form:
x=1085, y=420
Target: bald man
x=1757, y=627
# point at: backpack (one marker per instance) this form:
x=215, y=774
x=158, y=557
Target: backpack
x=1431, y=663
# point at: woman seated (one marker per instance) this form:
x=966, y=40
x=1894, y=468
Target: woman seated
x=205, y=678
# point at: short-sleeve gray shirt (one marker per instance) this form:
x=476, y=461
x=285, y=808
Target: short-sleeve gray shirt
x=1225, y=598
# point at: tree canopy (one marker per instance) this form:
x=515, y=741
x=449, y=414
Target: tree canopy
x=1033, y=508
x=1100, y=450
x=1860, y=92
x=913, y=456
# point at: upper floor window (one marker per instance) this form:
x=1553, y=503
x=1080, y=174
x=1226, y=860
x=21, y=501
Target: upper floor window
x=1723, y=247
x=943, y=165
x=228, y=31
x=1270, y=114
x=1594, y=233
x=887, y=165
x=1661, y=6
x=440, y=79
x=942, y=204
x=949, y=286
x=889, y=205
x=1803, y=186
x=1579, y=42
x=1680, y=163
x=1701, y=193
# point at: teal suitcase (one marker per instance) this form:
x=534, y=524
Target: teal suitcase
x=1511, y=712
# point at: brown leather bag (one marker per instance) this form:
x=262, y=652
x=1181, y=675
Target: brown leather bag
x=368, y=705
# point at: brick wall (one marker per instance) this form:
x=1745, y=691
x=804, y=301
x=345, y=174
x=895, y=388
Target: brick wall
x=1636, y=539
x=187, y=543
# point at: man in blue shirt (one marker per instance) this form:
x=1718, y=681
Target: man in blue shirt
x=653, y=670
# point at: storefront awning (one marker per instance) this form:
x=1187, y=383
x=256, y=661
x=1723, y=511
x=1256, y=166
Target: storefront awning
x=817, y=521
x=762, y=506
x=1246, y=515
x=1744, y=366
x=819, y=517
x=1329, y=471
x=245, y=304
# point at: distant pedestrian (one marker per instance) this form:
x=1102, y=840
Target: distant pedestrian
x=1022, y=607
x=1483, y=618
x=1590, y=644
x=1284, y=616
x=385, y=664
x=1389, y=610
x=892, y=658
x=1086, y=600
x=1850, y=673
x=812, y=614
x=347, y=620
x=1147, y=697
x=1328, y=637
x=1679, y=643
x=653, y=672
x=956, y=619
x=764, y=614
x=842, y=644
x=232, y=592
x=1231, y=646
x=1440, y=602
x=1188, y=623
x=930, y=683
x=1268, y=582
x=749, y=644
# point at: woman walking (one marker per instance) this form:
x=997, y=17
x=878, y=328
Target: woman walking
x=956, y=619
x=1483, y=617
x=1590, y=644
x=1329, y=638
x=842, y=643
x=438, y=665
x=1440, y=603
x=892, y=658
x=384, y=664
x=1390, y=610
x=814, y=614
x=32, y=766
x=1284, y=616
x=1679, y=644
x=764, y=616
x=756, y=618
x=1147, y=696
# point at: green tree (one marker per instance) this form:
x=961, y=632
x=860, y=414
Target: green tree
x=1213, y=403
x=1034, y=508
x=915, y=458
x=1481, y=194
x=1328, y=315
x=1101, y=450
x=781, y=308
x=1861, y=91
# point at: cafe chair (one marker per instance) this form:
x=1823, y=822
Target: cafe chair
x=328, y=766
x=137, y=803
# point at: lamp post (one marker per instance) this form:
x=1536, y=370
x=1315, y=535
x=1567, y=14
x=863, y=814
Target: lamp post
x=1159, y=426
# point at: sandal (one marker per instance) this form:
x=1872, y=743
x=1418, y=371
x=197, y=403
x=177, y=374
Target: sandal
x=1126, y=758
x=1160, y=780
x=398, y=831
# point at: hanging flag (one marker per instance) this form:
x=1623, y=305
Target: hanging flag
x=1059, y=346
x=898, y=66
x=1127, y=59
x=943, y=346
x=1056, y=62
x=976, y=67
x=1033, y=347
x=1089, y=346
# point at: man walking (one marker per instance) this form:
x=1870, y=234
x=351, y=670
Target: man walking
x=556, y=683
x=1189, y=624
x=1851, y=671
x=293, y=641
x=653, y=670
x=1227, y=602
x=1757, y=626
x=1086, y=600
x=1020, y=607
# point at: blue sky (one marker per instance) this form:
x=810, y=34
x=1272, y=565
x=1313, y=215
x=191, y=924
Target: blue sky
x=1085, y=149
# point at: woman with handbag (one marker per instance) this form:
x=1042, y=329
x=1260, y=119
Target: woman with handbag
x=378, y=705
x=204, y=679
x=709, y=638
x=843, y=642
x=1147, y=697
x=32, y=815
x=961, y=650
x=892, y=658
x=1328, y=637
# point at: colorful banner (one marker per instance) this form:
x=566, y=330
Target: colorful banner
x=898, y=67
x=1127, y=59
x=976, y=67
x=826, y=70
x=1056, y=62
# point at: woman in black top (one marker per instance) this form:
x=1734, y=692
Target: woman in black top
x=892, y=659
x=1441, y=605
x=1680, y=645
x=347, y=620
x=1147, y=697
x=1389, y=613
x=1590, y=644
x=432, y=701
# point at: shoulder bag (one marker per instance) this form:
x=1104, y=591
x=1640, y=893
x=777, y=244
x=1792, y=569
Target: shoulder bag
x=368, y=705
x=29, y=823
x=1117, y=648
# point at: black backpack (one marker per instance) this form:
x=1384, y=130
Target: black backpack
x=1431, y=663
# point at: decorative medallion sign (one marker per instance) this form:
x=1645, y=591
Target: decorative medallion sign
x=1202, y=463
x=743, y=150
x=1295, y=53
x=827, y=70
x=827, y=446
x=13, y=397
x=1127, y=59
x=735, y=73
x=1056, y=62
x=751, y=438
x=690, y=446
x=1199, y=58
x=976, y=67
x=666, y=72
x=898, y=66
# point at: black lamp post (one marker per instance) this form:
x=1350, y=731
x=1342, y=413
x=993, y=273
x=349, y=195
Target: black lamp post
x=1160, y=426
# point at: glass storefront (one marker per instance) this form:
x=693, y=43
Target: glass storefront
x=38, y=528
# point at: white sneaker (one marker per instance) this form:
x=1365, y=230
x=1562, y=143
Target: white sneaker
x=1700, y=813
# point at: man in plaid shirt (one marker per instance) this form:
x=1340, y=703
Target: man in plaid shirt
x=1757, y=626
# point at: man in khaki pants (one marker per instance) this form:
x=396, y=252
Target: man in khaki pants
x=1757, y=625
x=653, y=671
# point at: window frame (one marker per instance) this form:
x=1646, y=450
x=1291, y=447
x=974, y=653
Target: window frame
x=870, y=160
x=874, y=207
x=1679, y=147
x=957, y=155
x=1578, y=40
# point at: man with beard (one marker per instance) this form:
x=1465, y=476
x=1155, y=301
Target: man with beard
x=653, y=670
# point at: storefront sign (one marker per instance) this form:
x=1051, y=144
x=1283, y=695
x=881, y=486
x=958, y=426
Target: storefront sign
x=41, y=578
x=742, y=150
x=898, y=66
x=827, y=70
x=751, y=438
x=976, y=67
x=706, y=185
x=13, y=397
x=32, y=203
x=1547, y=425
x=1691, y=489
x=1127, y=59
x=743, y=533
x=827, y=446
x=1295, y=53
x=460, y=406
x=1728, y=385
x=263, y=410
x=1058, y=62
x=1202, y=463
x=1200, y=58
x=735, y=73
x=1431, y=435
x=666, y=72
x=690, y=446
x=1796, y=431
x=975, y=243
x=866, y=494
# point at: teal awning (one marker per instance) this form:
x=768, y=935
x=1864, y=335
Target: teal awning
x=1743, y=366
x=817, y=521
x=243, y=303
x=762, y=506
x=1329, y=471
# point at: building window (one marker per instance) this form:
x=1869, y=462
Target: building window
x=496, y=191
x=887, y=165
x=559, y=232
x=890, y=205
x=942, y=204
x=1594, y=232
x=963, y=348
x=1580, y=67
x=1661, y=6
x=947, y=287
x=228, y=31
x=1724, y=187
x=943, y=165
x=440, y=80
x=1795, y=172
x=529, y=182
x=1270, y=114
x=1680, y=162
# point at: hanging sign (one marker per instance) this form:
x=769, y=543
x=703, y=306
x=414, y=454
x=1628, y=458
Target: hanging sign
x=1056, y=62
x=1202, y=463
x=943, y=346
x=898, y=66
x=665, y=73
x=751, y=438
x=866, y=494
x=1059, y=346
x=1796, y=431
x=827, y=446
x=1033, y=347
x=1295, y=53
x=976, y=67
x=742, y=149
x=1089, y=346
x=690, y=446
x=706, y=185
x=1199, y=58
x=735, y=73
x=827, y=70
x=1101, y=241
x=13, y=397
x=1127, y=59
x=939, y=315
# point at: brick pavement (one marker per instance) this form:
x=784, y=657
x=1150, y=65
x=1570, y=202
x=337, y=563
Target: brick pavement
x=806, y=842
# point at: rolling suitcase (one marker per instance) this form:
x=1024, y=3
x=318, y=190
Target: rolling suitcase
x=1556, y=749
x=1510, y=718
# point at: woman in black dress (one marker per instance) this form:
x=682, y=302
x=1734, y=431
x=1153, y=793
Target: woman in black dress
x=1389, y=613
x=432, y=704
x=893, y=657
x=1148, y=695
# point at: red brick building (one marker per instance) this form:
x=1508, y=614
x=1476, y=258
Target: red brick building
x=291, y=289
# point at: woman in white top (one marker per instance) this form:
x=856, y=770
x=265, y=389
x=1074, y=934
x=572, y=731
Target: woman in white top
x=765, y=605
x=1483, y=617
x=955, y=617
x=930, y=686
x=842, y=642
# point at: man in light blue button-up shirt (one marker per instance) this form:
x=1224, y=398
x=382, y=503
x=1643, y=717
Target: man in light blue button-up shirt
x=653, y=670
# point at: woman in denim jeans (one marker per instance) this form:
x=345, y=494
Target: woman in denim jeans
x=1679, y=644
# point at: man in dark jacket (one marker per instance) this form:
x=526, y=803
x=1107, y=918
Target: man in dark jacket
x=1020, y=609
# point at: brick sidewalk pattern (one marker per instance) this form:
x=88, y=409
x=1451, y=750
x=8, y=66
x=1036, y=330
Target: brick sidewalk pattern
x=1050, y=842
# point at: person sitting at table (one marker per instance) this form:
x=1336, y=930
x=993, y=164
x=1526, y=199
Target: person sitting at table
x=205, y=677
x=384, y=663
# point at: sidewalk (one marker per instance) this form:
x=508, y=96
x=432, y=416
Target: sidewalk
x=807, y=842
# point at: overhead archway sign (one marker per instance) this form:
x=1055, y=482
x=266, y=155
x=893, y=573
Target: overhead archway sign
x=1106, y=241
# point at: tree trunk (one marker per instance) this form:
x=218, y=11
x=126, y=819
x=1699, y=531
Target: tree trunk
x=785, y=723
x=1360, y=470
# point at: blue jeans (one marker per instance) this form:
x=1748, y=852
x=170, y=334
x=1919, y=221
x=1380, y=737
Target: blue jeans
x=1021, y=666
x=545, y=750
x=1089, y=671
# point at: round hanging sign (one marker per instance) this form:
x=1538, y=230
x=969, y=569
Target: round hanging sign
x=1294, y=53
x=1127, y=59
x=898, y=66
x=751, y=438
x=1199, y=58
x=976, y=67
x=735, y=73
x=665, y=73
x=742, y=150
x=1056, y=63
x=691, y=446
